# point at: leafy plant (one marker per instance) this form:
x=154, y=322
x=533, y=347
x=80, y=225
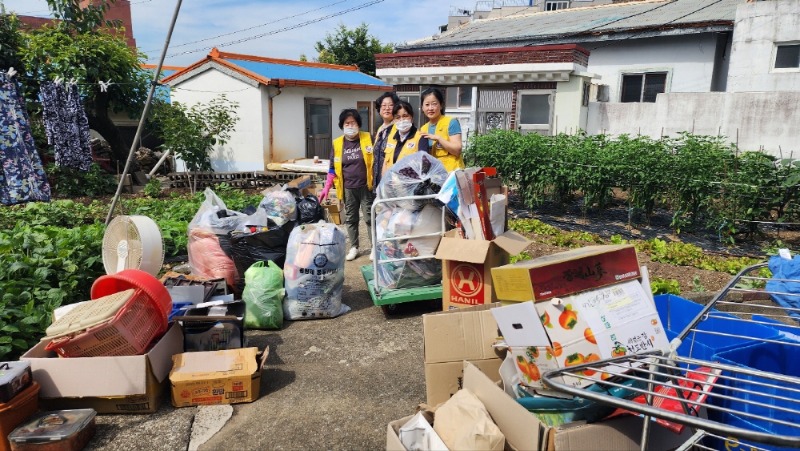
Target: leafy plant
x=665, y=286
x=70, y=182
x=697, y=286
x=152, y=188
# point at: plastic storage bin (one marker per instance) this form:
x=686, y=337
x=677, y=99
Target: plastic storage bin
x=61, y=430
x=118, y=324
x=676, y=313
x=154, y=290
x=14, y=377
x=15, y=412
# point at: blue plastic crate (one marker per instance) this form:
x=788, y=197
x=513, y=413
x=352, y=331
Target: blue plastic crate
x=778, y=358
x=735, y=443
x=676, y=313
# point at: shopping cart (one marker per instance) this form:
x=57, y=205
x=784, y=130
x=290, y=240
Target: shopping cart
x=388, y=298
x=751, y=400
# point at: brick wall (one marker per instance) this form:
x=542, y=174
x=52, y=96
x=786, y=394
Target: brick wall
x=567, y=53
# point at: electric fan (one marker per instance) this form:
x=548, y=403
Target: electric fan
x=133, y=242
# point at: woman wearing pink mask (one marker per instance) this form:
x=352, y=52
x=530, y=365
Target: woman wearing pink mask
x=406, y=139
x=350, y=173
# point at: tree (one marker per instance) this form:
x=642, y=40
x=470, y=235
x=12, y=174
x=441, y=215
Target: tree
x=75, y=47
x=10, y=40
x=351, y=47
x=192, y=132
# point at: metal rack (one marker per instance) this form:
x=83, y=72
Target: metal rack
x=754, y=401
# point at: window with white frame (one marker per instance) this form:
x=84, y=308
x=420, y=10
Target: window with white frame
x=552, y=5
x=642, y=87
x=787, y=56
x=535, y=110
x=458, y=97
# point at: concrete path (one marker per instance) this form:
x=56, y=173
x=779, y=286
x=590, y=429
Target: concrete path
x=328, y=384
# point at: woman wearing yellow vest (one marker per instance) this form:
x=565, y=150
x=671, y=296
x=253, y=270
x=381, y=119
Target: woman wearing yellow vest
x=350, y=158
x=443, y=132
x=406, y=139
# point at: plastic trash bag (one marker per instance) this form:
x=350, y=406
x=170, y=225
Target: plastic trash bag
x=417, y=174
x=211, y=224
x=309, y=209
x=395, y=222
x=280, y=206
x=314, y=272
x=788, y=270
x=259, y=244
x=263, y=296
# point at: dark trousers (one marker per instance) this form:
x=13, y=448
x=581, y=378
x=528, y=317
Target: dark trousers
x=353, y=199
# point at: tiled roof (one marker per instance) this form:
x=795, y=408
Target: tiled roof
x=588, y=23
x=281, y=72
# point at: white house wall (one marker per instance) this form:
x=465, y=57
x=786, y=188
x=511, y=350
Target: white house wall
x=689, y=61
x=758, y=120
x=289, y=116
x=759, y=27
x=569, y=114
x=249, y=142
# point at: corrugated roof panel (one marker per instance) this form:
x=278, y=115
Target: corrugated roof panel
x=305, y=73
x=566, y=22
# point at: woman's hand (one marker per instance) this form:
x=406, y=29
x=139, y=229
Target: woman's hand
x=452, y=145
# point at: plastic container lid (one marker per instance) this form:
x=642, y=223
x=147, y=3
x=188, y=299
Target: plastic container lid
x=89, y=314
x=52, y=426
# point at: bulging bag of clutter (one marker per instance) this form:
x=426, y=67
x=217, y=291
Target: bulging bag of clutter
x=263, y=296
x=280, y=206
x=211, y=224
x=314, y=272
x=393, y=222
x=417, y=174
x=259, y=243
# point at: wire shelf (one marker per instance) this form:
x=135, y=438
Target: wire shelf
x=743, y=343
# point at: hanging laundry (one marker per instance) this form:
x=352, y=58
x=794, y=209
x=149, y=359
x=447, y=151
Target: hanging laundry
x=22, y=178
x=66, y=125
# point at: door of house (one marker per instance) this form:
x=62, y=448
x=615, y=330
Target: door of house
x=318, y=127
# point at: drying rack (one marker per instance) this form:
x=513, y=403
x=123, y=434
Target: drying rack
x=755, y=401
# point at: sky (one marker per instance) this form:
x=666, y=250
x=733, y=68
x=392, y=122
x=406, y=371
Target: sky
x=391, y=21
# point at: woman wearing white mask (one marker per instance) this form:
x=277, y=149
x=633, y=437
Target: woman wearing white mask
x=350, y=157
x=407, y=139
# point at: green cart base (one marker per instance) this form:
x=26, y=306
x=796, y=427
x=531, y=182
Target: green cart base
x=389, y=298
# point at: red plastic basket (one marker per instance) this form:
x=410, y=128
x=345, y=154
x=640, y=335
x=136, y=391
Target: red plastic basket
x=135, y=325
x=137, y=279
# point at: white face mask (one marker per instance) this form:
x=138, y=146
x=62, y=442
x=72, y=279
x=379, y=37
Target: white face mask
x=351, y=132
x=403, y=125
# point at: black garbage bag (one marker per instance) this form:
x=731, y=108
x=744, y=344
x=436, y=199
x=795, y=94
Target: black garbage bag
x=259, y=244
x=309, y=209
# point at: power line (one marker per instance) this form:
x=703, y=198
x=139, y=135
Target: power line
x=281, y=30
x=255, y=26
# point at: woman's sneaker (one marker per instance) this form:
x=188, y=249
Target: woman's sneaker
x=352, y=254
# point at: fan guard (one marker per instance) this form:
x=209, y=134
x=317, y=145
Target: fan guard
x=133, y=242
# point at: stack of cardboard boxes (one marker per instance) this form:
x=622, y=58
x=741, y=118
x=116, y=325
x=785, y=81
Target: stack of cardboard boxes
x=573, y=307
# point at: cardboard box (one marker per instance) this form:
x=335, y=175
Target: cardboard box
x=333, y=211
x=202, y=332
x=216, y=377
x=124, y=384
x=565, y=273
x=594, y=325
x=450, y=338
x=466, y=265
x=524, y=432
x=300, y=182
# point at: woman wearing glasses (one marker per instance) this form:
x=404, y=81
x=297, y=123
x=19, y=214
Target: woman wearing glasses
x=384, y=105
x=442, y=132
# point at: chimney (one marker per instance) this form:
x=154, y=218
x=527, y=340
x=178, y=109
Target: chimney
x=118, y=11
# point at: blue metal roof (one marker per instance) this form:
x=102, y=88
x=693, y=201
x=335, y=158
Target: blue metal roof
x=305, y=73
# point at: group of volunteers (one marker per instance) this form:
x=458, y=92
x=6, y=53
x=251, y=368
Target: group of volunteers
x=358, y=160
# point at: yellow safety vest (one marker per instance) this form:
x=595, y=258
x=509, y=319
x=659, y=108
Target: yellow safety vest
x=338, y=148
x=450, y=162
x=411, y=146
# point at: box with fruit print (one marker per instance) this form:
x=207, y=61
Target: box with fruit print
x=594, y=325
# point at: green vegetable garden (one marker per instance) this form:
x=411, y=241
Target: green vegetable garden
x=703, y=181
